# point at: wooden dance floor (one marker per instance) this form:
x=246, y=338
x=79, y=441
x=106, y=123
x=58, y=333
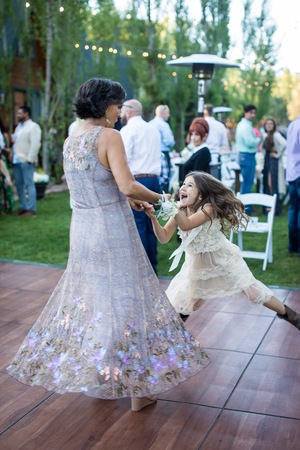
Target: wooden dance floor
x=247, y=398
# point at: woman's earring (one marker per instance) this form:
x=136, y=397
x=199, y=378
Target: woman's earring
x=108, y=121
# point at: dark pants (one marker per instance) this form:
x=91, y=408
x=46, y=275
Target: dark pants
x=271, y=170
x=144, y=224
x=247, y=163
x=294, y=216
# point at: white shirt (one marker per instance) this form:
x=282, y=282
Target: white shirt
x=28, y=141
x=166, y=135
x=217, y=137
x=142, y=146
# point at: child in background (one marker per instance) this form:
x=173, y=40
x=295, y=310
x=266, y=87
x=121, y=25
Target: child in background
x=213, y=267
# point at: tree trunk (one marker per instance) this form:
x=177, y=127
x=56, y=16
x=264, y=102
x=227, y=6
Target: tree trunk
x=49, y=46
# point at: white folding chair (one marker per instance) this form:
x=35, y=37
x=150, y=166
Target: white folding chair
x=256, y=226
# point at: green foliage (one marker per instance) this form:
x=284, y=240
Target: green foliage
x=259, y=58
x=45, y=239
x=116, y=43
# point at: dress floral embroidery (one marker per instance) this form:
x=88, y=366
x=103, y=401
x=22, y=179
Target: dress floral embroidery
x=108, y=329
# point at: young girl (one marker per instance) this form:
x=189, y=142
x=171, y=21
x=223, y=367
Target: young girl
x=213, y=266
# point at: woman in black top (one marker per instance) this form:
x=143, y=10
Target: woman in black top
x=201, y=157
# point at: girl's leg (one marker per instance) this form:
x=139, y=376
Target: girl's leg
x=275, y=305
x=284, y=312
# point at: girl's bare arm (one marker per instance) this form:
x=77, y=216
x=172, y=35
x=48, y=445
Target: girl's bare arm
x=186, y=223
x=164, y=233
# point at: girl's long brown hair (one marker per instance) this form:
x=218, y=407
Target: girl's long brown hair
x=227, y=207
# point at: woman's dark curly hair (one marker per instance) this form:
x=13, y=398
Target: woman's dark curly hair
x=228, y=208
x=96, y=95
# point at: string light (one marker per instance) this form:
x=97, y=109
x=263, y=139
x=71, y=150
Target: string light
x=145, y=54
x=27, y=5
x=61, y=9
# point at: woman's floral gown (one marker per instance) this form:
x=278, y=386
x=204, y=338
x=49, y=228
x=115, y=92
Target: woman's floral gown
x=108, y=329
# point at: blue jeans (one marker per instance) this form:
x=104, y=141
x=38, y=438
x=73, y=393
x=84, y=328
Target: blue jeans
x=23, y=178
x=294, y=216
x=144, y=224
x=247, y=163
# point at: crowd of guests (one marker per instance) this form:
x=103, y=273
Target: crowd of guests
x=150, y=146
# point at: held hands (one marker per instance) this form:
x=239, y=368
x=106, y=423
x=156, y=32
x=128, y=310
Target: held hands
x=138, y=205
x=150, y=211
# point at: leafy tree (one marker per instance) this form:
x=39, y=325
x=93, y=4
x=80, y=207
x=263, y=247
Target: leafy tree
x=8, y=20
x=259, y=57
x=215, y=39
x=182, y=91
x=57, y=29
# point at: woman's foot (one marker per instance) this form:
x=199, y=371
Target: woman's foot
x=291, y=316
x=138, y=403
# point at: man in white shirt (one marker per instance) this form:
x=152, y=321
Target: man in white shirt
x=142, y=146
x=217, y=138
x=26, y=145
x=160, y=121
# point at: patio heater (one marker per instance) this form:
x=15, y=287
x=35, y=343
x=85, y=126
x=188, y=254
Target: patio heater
x=203, y=66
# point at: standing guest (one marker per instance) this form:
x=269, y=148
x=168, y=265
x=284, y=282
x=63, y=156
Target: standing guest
x=293, y=178
x=274, y=146
x=160, y=121
x=7, y=201
x=142, y=146
x=108, y=330
x=26, y=144
x=201, y=157
x=4, y=171
x=217, y=138
x=247, y=145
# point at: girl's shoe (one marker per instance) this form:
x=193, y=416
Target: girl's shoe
x=291, y=317
x=138, y=403
x=184, y=317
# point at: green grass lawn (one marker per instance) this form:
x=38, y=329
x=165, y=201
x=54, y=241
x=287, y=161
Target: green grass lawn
x=45, y=239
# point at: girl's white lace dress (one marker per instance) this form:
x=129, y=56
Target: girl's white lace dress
x=108, y=330
x=213, y=267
